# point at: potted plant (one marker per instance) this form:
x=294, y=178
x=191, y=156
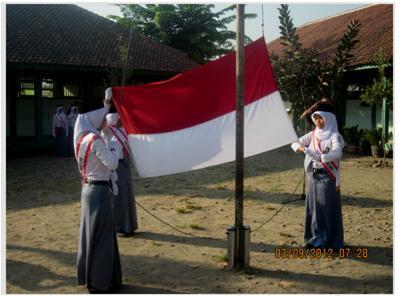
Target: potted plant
x=374, y=136
x=352, y=136
x=388, y=146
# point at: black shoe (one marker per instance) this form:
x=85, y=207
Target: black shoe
x=97, y=291
x=309, y=246
x=126, y=235
x=113, y=290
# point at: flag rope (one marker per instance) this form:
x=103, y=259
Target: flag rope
x=284, y=203
x=262, y=18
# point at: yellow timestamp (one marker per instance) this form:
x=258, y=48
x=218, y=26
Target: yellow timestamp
x=320, y=253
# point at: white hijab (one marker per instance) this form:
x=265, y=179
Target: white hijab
x=330, y=125
x=73, y=111
x=88, y=122
x=60, y=111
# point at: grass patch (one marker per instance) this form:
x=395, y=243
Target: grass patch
x=182, y=210
x=222, y=258
x=190, y=206
x=286, y=235
x=196, y=227
x=271, y=208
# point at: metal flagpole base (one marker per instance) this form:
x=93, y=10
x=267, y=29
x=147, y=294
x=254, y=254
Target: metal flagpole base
x=232, y=238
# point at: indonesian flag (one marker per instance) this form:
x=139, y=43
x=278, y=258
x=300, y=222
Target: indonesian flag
x=188, y=121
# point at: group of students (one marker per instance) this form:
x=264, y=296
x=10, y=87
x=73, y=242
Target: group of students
x=107, y=197
x=102, y=153
x=62, y=131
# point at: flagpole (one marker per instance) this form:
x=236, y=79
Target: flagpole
x=239, y=170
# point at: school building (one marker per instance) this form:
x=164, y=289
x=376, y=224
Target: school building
x=61, y=54
x=376, y=31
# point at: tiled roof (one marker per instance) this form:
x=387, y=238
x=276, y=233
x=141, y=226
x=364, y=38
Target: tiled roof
x=69, y=35
x=375, y=32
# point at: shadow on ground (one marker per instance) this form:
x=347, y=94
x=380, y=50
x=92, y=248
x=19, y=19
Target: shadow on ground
x=183, y=275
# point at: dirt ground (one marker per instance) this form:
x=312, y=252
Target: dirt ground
x=43, y=214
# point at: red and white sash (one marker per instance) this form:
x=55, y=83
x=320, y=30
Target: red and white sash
x=83, y=149
x=121, y=137
x=61, y=121
x=332, y=168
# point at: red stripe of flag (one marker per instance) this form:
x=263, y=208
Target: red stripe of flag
x=185, y=100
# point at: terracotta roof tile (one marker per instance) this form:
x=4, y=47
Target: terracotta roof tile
x=375, y=32
x=70, y=35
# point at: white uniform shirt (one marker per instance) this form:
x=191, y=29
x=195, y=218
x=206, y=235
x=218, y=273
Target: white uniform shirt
x=332, y=148
x=60, y=121
x=113, y=141
x=100, y=161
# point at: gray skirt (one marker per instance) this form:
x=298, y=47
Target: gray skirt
x=124, y=209
x=71, y=148
x=98, y=260
x=61, y=146
x=323, y=216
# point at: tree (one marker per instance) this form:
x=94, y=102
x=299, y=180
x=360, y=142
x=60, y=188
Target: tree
x=302, y=77
x=192, y=28
x=381, y=93
x=381, y=87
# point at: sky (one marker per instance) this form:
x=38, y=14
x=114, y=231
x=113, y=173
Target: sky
x=300, y=13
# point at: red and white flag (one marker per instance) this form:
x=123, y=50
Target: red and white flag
x=188, y=121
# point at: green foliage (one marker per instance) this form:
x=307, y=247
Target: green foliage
x=302, y=77
x=222, y=258
x=192, y=28
x=381, y=87
x=289, y=36
x=373, y=136
x=343, y=53
x=120, y=75
x=352, y=135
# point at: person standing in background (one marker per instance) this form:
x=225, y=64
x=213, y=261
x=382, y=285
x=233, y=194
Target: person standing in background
x=124, y=209
x=60, y=132
x=72, y=116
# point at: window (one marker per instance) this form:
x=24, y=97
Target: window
x=47, y=86
x=353, y=88
x=70, y=90
x=26, y=88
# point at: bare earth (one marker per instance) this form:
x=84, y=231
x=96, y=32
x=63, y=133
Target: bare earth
x=43, y=214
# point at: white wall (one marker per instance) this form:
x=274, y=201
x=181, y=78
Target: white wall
x=357, y=115
x=362, y=116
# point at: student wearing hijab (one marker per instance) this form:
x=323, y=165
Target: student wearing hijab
x=124, y=210
x=60, y=132
x=98, y=260
x=72, y=116
x=323, y=149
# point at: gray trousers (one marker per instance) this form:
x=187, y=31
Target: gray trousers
x=124, y=209
x=98, y=260
x=323, y=216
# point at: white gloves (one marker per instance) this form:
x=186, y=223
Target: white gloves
x=108, y=94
